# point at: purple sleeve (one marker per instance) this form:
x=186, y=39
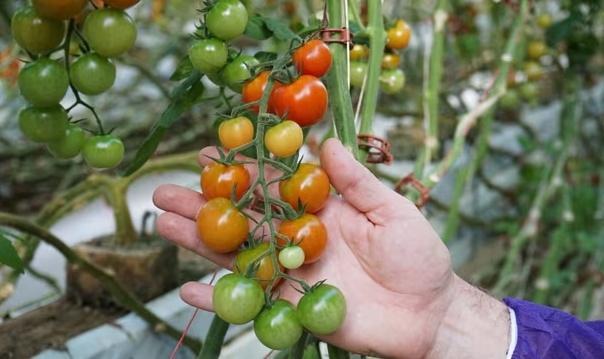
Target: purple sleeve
x=545, y=332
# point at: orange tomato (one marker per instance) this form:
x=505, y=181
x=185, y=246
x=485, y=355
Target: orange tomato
x=59, y=9
x=399, y=35
x=309, y=185
x=256, y=256
x=121, y=4
x=307, y=232
x=218, y=180
x=221, y=226
x=390, y=61
x=236, y=132
x=254, y=89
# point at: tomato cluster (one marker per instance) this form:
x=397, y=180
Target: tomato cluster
x=41, y=30
x=392, y=78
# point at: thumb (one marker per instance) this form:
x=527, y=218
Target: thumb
x=358, y=186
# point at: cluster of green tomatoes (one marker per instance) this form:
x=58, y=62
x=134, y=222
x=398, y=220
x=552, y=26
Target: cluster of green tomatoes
x=392, y=78
x=41, y=30
x=223, y=222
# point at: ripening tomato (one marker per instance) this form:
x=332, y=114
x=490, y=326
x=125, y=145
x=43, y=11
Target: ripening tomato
x=278, y=326
x=536, y=49
x=358, y=71
x=43, y=124
x=121, y=4
x=59, y=9
x=544, y=20
x=399, y=35
x=208, y=55
x=304, y=101
x=237, y=299
x=533, y=71
x=92, y=74
x=34, y=33
x=510, y=100
x=221, y=226
x=322, y=310
x=70, y=145
x=43, y=82
x=110, y=32
x=359, y=52
x=307, y=232
x=218, y=180
x=104, y=151
x=313, y=58
x=236, y=132
x=284, y=139
x=529, y=91
x=238, y=71
x=253, y=90
x=308, y=186
x=256, y=256
x=390, y=61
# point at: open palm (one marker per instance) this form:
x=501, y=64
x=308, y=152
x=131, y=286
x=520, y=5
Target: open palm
x=382, y=253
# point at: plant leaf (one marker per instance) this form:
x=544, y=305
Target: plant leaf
x=280, y=29
x=9, y=255
x=266, y=56
x=183, y=70
x=183, y=98
x=257, y=28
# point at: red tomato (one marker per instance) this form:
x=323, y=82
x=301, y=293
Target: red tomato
x=313, y=58
x=303, y=101
x=254, y=89
x=218, y=180
x=121, y=4
x=59, y=9
x=221, y=226
x=308, y=233
x=309, y=186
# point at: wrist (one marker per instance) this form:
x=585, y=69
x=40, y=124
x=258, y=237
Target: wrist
x=475, y=325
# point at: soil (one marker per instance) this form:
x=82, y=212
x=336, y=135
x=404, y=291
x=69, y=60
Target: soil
x=51, y=326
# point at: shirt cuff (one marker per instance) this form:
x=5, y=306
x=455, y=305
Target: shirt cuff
x=513, y=334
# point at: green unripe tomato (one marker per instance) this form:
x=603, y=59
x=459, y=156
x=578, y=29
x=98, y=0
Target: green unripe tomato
x=238, y=71
x=42, y=125
x=358, y=71
x=529, y=91
x=92, y=74
x=237, y=299
x=291, y=257
x=322, y=310
x=105, y=151
x=43, y=82
x=34, y=33
x=544, y=21
x=110, y=32
x=278, y=327
x=227, y=19
x=208, y=55
x=510, y=100
x=70, y=145
x=392, y=81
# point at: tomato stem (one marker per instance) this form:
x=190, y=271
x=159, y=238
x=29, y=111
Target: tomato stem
x=214, y=339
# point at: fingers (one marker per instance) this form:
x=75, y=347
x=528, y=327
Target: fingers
x=198, y=295
x=359, y=187
x=183, y=232
x=180, y=200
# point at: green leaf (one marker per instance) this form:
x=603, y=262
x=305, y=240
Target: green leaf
x=9, y=255
x=266, y=56
x=560, y=31
x=280, y=29
x=183, y=98
x=183, y=70
x=257, y=29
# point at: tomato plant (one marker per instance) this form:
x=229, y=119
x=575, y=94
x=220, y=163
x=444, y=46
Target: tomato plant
x=236, y=132
x=208, y=55
x=308, y=233
x=399, y=35
x=237, y=299
x=392, y=81
x=284, y=139
x=70, y=144
x=304, y=101
x=358, y=71
x=238, y=71
x=110, y=32
x=221, y=226
x=59, y=9
x=313, y=58
x=227, y=19
x=92, y=74
x=43, y=82
x=322, y=310
x=34, y=33
x=43, y=124
x=391, y=61
x=291, y=257
x=103, y=151
x=252, y=90
x=277, y=326
x=359, y=52
x=308, y=186
x=536, y=49
x=259, y=258
x=218, y=180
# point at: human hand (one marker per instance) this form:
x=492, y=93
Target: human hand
x=402, y=296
